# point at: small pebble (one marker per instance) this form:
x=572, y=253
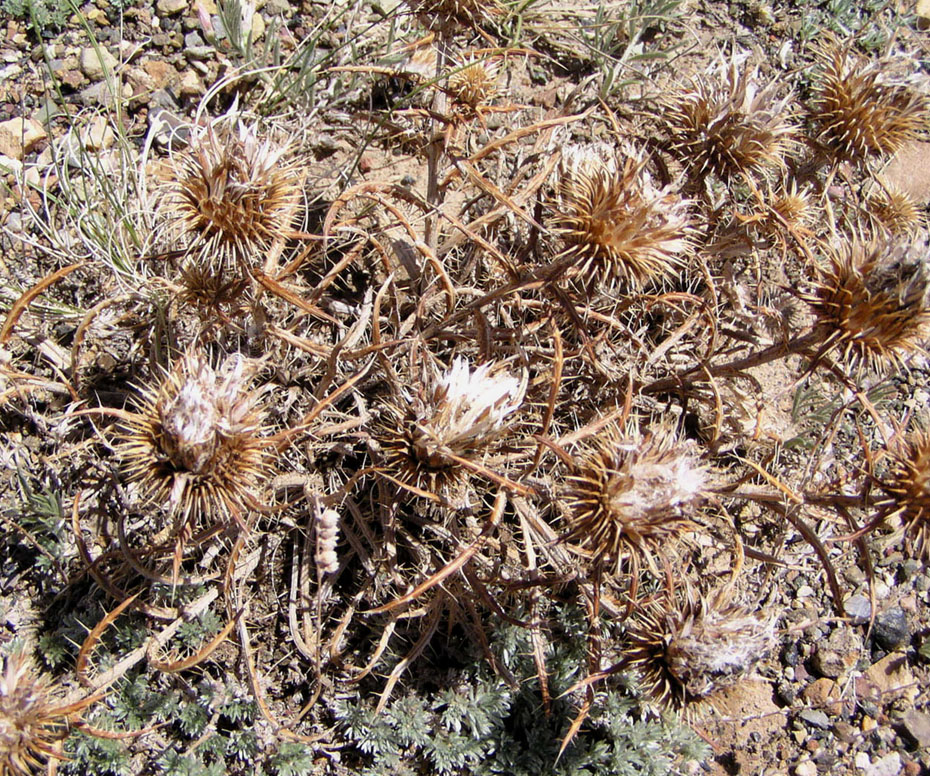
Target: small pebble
x=924, y=649
x=815, y=717
x=917, y=725
x=806, y=768
x=889, y=765
x=891, y=628
x=858, y=609
x=805, y=591
x=910, y=567
x=862, y=761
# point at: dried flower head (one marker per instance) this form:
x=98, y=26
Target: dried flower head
x=229, y=197
x=730, y=125
x=792, y=206
x=858, y=112
x=629, y=496
x=193, y=444
x=908, y=489
x=31, y=723
x=615, y=224
x=683, y=649
x=464, y=412
x=474, y=82
x=872, y=304
x=449, y=15
x=895, y=212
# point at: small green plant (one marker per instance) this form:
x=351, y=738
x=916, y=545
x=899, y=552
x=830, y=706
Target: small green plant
x=40, y=14
x=481, y=726
x=616, y=43
x=291, y=759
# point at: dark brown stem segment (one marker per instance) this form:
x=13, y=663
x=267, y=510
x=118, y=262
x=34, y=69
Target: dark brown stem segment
x=700, y=373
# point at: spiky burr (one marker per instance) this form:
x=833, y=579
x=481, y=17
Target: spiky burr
x=895, y=212
x=474, y=81
x=451, y=15
x=907, y=489
x=31, y=722
x=193, y=445
x=858, y=111
x=228, y=198
x=872, y=302
x=464, y=410
x=683, y=648
x=730, y=123
x=629, y=496
x=616, y=225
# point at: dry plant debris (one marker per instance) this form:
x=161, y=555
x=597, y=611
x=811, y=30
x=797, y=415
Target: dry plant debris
x=422, y=420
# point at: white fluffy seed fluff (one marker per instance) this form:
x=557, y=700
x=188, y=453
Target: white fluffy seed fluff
x=471, y=405
x=659, y=483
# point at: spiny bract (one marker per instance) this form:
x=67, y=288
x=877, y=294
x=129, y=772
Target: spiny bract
x=731, y=125
x=629, y=496
x=617, y=227
x=193, y=445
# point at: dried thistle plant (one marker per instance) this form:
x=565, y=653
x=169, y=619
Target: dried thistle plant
x=31, y=722
x=785, y=210
x=730, y=127
x=872, y=304
x=908, y=489
x=629, y=496
x=474, y=82
x=895, y=212
x=449, y=15
x=193, y=445
x=616, y=225
x=464, y=411
x=683, y=649
x=228, y=198
x=859, y=112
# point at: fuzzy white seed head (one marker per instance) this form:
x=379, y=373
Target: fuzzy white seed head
x=471, y=405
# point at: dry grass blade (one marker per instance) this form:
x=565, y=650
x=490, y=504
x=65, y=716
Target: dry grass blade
x=22, y=304
x=182, y=664
x=93, y=637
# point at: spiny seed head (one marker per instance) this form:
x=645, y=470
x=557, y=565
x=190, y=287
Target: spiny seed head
x=628, y=496
x=617, y=227
x=464, y=411
x=730, y=125
x=683, y=649
x=474, y=82
x=449, y=15
x=209, y=291
x=30, y=721
x=229, y=197
x=193, y=444
x=792, y=206
x=908, y=489
x=872, y=302
x=858, y=113
x=895, y=212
